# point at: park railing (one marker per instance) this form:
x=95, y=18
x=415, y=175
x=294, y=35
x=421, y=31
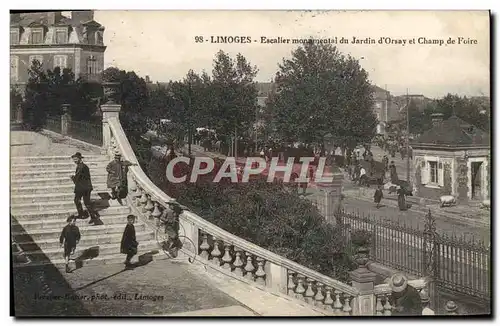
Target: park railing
x=53, y=123
x=461, y=265
x=90, y=132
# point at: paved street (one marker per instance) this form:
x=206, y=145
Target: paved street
x=460, y=226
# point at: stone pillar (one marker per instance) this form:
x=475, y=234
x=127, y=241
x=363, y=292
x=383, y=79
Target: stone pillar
x=330, y=196
x=110, y=109
x=364, y=280
x=65, y=119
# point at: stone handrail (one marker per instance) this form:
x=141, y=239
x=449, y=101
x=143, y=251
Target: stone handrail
x=239, y=258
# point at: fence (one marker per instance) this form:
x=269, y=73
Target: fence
x=53, y=124
x=460, y=265
x=89, y=132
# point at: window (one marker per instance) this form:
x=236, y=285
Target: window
x=14, y=37
x=61, y=36
x=36, y=36
x=433, y=172
x=38, y=58
x=92, y=67
x=60, y=61
x=14, y=65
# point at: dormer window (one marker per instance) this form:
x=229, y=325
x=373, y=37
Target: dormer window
x=61, y=35
x=14, y=36
x=36, y=36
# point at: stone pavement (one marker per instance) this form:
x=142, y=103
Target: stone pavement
x=160, y=288
x=27, y=143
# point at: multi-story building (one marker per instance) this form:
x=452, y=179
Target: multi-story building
x=74, y=42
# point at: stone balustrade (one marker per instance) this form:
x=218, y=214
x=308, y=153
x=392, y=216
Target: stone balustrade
x=228, y=253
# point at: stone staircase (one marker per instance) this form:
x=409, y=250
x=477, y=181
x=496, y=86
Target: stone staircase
x=42, y=199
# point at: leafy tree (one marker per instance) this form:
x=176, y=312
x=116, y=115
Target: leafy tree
x=321, y=92
x=232, y=94
x=133, y=89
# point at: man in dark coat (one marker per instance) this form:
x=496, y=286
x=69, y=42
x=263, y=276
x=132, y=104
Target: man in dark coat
x=407, y=300
x=377, y=197
x=70, y=236
x=83, y=188
x=117, y=176
x=403, y=206
x=129, y=243
x=394, y=174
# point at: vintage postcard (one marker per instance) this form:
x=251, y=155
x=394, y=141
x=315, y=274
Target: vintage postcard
x=299, y=163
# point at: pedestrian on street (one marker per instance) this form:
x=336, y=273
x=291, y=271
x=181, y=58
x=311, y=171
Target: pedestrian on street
x=407, y=301
x=70, y=236
x=129, y=243
x=83, y=188
x=362, y=175
x=378, y=196
x=117, y=176
x=403, y=206
x=393, y=173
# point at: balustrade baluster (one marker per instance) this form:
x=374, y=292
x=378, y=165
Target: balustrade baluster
x=346, y=310
x=260, y=274
x=291, y=284
x=387, y=306
x=309, y=294
x=337, y=305
x=249, y=268
x=238, y=264
x=204, y=247
x=138, y=195
x=299, y=290
x=216, y=253
x=148, y=208
x=379, y=309
x=144, y=199
x=227, y=259
x=156, y=211
x=319, y=297
x=328, y=299
x=132, y=186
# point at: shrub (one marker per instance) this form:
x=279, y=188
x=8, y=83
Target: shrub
x=270, y=216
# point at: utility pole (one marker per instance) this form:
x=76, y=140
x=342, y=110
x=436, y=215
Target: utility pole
x=189, y=110
x=407, y=136
x=235, y=141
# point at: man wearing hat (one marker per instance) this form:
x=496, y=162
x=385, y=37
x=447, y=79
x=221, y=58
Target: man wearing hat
x=117, y=176
x=83, y=187
x=407, y=300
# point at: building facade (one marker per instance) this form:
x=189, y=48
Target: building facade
x=56, y=40
x=452, y=158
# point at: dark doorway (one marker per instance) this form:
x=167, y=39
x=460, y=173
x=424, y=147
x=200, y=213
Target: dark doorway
x=476, y=179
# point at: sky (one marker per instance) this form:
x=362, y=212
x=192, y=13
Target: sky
x=162, y=44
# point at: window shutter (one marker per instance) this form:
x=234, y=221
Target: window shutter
x=440, y=174
x=424, y=174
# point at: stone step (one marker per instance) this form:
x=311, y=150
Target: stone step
x=52, y=182
x=21, y=175
x=143, y=254
x=87, y=251
x=37, y=224
x=54, y=166
x=58, y=214
x=103, y=194
x=40, y=190
x=99, y=205
x=88, y=230
x=56, y=159
x=86, y=241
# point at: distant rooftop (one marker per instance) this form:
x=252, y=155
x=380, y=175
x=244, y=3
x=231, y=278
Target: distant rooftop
x=454, y=132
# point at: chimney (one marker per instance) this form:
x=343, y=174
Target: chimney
x=437, y=118
x=82, y=16
x=54, y=17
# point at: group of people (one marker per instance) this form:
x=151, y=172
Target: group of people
x=117, y=181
